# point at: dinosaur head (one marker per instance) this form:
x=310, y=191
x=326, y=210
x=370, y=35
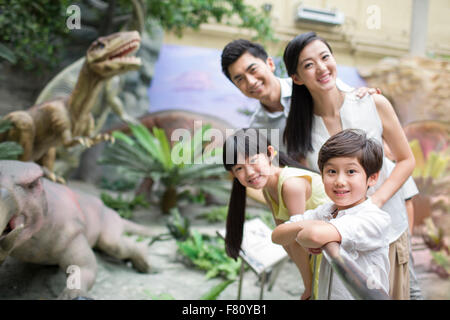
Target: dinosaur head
x=112, y=55
x=23, y=203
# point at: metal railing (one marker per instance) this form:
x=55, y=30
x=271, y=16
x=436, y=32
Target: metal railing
x=354, y=279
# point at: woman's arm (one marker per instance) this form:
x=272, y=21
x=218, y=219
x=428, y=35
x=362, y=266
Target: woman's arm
x=395, y=138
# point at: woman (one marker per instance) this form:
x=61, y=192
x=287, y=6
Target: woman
x=319, y=110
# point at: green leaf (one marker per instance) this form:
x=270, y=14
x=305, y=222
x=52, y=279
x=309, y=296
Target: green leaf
x=10, y=150
x=7, y=54
x=165, y=147
x=122, y=136
x=147, y=141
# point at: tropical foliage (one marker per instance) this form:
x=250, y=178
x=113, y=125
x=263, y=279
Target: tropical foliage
x=208, y=253
x=185, y=166
x=9, y=150
x=35, y=31
x=123, y=206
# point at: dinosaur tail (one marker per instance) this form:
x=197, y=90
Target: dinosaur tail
x=137, y=229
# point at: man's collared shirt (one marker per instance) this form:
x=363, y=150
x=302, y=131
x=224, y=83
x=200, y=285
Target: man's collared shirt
x=263, y=119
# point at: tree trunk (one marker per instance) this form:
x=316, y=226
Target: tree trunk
x=169, y=199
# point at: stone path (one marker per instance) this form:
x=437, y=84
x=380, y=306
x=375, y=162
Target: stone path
x=118, y=281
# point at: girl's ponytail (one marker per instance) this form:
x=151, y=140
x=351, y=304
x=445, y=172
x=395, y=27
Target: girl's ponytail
x=235, y=219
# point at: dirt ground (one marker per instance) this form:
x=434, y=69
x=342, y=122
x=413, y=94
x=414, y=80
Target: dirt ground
x=116, y=280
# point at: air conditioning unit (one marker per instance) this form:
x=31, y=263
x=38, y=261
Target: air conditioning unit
x=320, y=16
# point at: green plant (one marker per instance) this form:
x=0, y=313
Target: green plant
x=441, y=261
x=212, y=294
x=218, y=214
x=118, y=184
x=123, y=207
x=9, y=150
x=208, y=253
x=179, y=226
x=35, y=31
x=185, y=166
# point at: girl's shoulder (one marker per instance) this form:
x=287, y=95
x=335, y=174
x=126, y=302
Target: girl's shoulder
x=298, y=172
x=295, y=178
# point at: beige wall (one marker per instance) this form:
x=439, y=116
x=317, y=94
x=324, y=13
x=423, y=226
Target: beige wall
x=354, y=43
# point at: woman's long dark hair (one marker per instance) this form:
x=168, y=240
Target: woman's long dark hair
x=241, y=145
x=297, y=134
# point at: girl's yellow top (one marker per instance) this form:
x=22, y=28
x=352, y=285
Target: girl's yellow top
x=318, y=197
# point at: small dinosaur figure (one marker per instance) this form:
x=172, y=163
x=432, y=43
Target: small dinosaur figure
x=68, y=121
x=47, y=223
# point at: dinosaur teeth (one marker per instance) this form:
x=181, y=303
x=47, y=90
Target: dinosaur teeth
x=125, y=49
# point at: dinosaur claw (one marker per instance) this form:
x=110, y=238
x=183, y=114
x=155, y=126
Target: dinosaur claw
x=61, y=180
x=52, y=176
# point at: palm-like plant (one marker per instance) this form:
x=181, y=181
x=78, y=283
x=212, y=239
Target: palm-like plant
x=183, y=166
x=9, y=150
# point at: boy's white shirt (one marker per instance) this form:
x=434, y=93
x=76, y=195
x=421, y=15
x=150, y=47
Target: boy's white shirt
x=363, y=229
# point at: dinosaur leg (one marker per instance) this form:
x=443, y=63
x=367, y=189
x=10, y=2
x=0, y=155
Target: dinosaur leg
x=79, y=261
x=22, y=132
x=48, y=159
x=113, y=242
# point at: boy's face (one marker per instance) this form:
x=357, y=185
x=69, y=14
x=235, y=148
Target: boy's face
x=253, y=76
x=345, y=181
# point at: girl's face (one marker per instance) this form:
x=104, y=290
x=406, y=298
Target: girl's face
x=255, y=171
x=316, y=67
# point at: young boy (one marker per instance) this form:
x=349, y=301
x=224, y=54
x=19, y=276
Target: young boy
x=349, y=164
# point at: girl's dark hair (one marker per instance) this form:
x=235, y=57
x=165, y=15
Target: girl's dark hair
x=238, y=147
x=297, y=134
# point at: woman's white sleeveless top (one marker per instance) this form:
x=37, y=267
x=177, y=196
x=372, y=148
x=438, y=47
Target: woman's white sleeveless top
x=362, y=114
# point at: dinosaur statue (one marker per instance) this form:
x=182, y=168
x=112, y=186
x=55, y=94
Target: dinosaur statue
x=68, y=121
x=47, y=223
x=122, y=98
x=418, y=87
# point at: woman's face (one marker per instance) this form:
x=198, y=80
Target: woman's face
x=316, y=67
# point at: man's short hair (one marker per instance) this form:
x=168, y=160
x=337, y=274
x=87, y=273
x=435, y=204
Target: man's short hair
x=353, y=143
x=235, y=49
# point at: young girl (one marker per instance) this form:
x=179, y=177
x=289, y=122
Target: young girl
x=289, y=189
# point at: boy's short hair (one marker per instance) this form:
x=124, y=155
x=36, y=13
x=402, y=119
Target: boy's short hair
x=353, y=143
x=235, y=49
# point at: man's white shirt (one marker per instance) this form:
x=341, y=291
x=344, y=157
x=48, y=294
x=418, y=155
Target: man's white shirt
x=263, y=119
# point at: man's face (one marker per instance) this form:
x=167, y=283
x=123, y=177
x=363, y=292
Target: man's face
x=253, y=76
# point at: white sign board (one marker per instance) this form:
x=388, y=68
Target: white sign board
x=258, y=250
